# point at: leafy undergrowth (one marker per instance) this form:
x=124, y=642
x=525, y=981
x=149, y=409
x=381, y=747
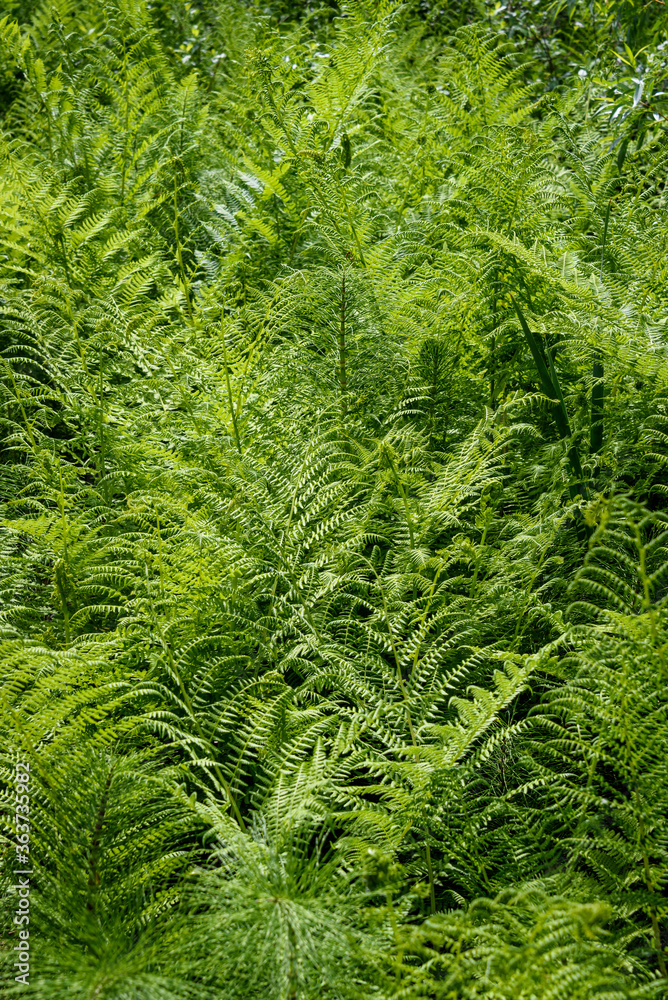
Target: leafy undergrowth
x=334, y=561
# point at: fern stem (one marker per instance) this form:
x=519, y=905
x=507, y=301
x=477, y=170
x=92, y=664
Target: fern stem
x=430, y=598
x=343, y=378
x=125, y=129
x=61, y=572
x=597, y=396
x=430, y=873
x=651, y=887
x=483, y=539
x=647, y=604
x=353, y=229
x=19, y=397
x=176, y=673
x=94, y=874
x=552, y=389
x=404, y=497
x=597, y=388
x=229, y=390
x=395, y=932
x=416, y=752
x=179, y=255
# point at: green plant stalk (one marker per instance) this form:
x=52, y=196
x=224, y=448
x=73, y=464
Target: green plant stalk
x=229, y=391
x=395, y=932
x=191, y=712
x=353, y=229
x=100, y=459
x=647, y=604
x=572, y=451
x=404, y=692
x=94, y=874
x=125, y=127
x=61, y=573
x=19, y=398
x=343, y=378
x=483, y=539
x=430, y=873
x=292, y=971
x=598, y=389
x=402, y=493
x=597, y=396
x=179, y=255
x=430, y=598
x=649, y=882
x=492, y=365
x=552, y=389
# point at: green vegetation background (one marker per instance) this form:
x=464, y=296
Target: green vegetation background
x=333, y=553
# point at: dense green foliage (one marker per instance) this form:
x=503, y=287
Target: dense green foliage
x=333, y=445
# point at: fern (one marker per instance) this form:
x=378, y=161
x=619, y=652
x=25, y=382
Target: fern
x=325, y=334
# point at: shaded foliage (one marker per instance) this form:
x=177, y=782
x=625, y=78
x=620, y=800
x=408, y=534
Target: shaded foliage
x=333, y=456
